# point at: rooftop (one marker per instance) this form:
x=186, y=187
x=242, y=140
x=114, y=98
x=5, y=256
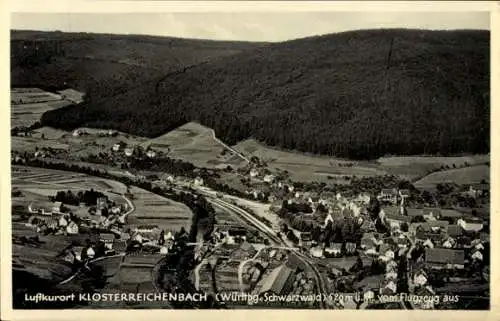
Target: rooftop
x=444, y=256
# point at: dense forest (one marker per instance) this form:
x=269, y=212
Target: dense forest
x=106, y=65
x=358, y=94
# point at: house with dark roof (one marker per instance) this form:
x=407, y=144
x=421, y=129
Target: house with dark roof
x=108, y=239
x=305, y=239
x=454, y=231
x=388, y=195
x=440, y=258
x=279, y=281
x=450, y=214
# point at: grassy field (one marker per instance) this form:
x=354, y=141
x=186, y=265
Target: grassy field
x=154, y=209
x=416, y=166
x=303, y=167
x=460, y=176
x=41, y=261
x=306, y=167
x=28, y=114
x=49, y=133
x=29, y=144
x=194, y=143
x=37, y=184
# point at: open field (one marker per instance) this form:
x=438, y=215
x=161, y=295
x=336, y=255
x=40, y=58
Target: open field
x=29, y=144
x=41, y=178
x=460, y=176
x=194, y=143
x=49, y=133
x=29, y=113
x=32, y=95
x=303, y=167
x=416, y=166
x=157, y=210
x=42, y=260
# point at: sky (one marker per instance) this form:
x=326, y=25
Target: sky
x=246, y=26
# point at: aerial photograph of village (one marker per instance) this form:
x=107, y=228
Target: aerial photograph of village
x=342, y=167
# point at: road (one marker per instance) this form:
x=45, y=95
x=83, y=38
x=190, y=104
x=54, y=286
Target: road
x=271, y=235
x=229, y=147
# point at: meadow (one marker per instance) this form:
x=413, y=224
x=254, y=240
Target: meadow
x=26, y=114
x=460, y=176
x=306, y=167
x=196, y=144
x=157, y=210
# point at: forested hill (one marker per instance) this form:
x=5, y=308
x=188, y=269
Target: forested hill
x=104, y=65
x=359, y=94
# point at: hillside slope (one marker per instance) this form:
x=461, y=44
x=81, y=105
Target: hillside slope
x=104, y=65
x=351, y=94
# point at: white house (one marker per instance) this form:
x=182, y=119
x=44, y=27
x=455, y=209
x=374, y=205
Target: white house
x=129, y=152
x=269, y=178
x=420, y=278
x=72, y=228
x=151, y=153
x=477, y=256
x=254, y=172
x=90, y=253
x=198, y=181
x=164, y=250
x=57, y=207
x=428, y=243
x=63, y=222
x=316, y=252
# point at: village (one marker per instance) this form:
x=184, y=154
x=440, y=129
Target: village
x=353, y=243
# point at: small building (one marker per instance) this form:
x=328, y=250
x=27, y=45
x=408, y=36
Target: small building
x=454, y=231
x=441, y=258
x=479, y=190
x=334, y=250
x=388, y=195
x=316, y=252
x=151, y=153
x=129, y=152
x=108, y=239
x=431, y=214
x=305, y=239
x=198, y=181
x=350, y=248
x=254, y=172
x=72, y=228
x=269, y=178
x=116, y=147
x=57, y=207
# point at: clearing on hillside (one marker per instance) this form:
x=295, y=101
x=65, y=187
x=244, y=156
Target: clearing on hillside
x=460, y=176
x=196, y=144
x=303, y=167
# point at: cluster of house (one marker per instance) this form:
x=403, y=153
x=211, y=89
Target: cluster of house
x=154, y=237
x=447, y=238
x=56, y=220
x=57, y=224
x=130, y=151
